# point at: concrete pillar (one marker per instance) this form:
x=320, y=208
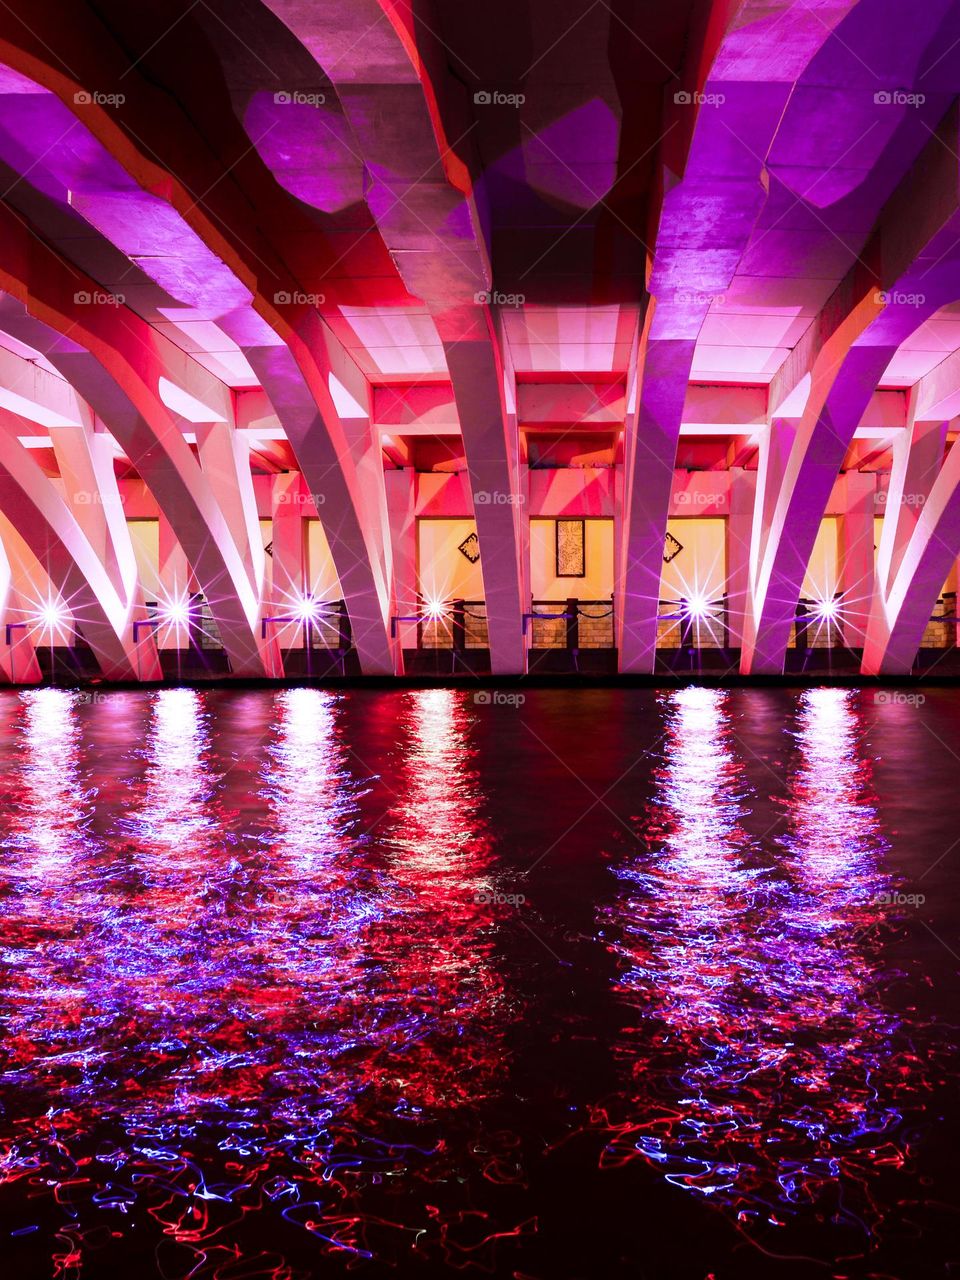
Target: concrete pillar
x=650, y=452
x=492, y=448
x=743, y=495
x=402, y=508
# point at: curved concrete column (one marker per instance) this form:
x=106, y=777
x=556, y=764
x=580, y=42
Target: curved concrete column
x=353, y=513
x=74, y=526
x=913, y=551
x=215, y=252
x=115, y=363
x=49, y=528
x=421, y=194
x=720, y=131
x=844, y=355
x=486, y=398
x=903, y=607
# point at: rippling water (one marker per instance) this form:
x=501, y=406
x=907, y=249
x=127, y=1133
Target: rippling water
x=586, y=983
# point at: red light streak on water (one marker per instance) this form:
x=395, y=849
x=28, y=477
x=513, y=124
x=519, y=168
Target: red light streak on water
x=440, y=938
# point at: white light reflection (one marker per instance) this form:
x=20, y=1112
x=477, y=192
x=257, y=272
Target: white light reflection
x=54, y=798
x=173, y=815
x=309, y=783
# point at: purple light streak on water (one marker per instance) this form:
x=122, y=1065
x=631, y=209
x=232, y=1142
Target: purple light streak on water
x=261, y=1013
x=778, y=1079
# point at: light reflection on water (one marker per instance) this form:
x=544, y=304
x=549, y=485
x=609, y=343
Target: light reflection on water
x=260, y=1006
x=774, y=1075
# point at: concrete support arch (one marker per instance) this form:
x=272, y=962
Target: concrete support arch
x=115, y=364
x=842, y=359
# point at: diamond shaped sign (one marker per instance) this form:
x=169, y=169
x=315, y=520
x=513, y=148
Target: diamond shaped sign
x=470, y=547
x=671, y=548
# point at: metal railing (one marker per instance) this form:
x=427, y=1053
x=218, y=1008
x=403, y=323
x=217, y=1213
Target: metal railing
x=683, y=624
x=571, y=624
x=454, y=625
x=200, y=629
x=325, y=626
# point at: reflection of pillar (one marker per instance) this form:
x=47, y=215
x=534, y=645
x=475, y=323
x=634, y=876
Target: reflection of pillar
x=856, y=556
x=743, y=491
x=289, y=560
x=401, y=506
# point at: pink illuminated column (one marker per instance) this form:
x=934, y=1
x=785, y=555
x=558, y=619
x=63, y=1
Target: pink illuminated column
x=743, y=496
x=401, y=504
x=650, y=451
x=490, y=440
x=918, y=546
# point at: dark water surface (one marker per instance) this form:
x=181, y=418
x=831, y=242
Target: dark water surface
x=607, y=983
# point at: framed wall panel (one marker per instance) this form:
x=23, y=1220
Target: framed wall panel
x=571, y=549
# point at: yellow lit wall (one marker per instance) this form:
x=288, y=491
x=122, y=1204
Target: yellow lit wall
x=701, y=567
x=266, y=537
x=823, y=571
x=597, y=584
x=145, y=536
x=443, y=571
x=322, y=580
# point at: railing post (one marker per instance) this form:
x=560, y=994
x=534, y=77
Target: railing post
x=458, y=626
x=195, y=621
x=686, y=626
x=573, y=624
x=800, y=639
x=345, y=640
